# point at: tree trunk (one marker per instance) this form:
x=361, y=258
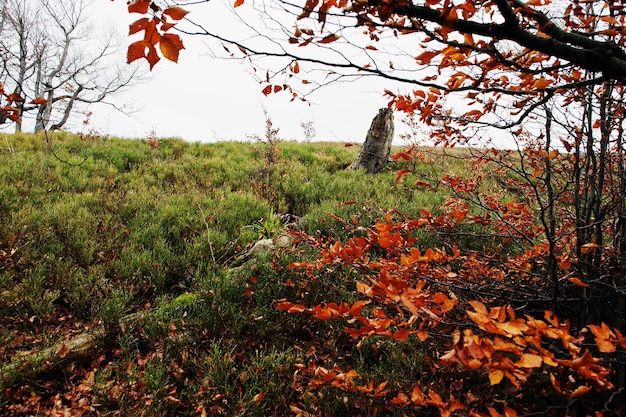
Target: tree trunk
x=375, y=153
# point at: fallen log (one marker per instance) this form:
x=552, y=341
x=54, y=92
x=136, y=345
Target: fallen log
x=80, y=348
x=29, y=365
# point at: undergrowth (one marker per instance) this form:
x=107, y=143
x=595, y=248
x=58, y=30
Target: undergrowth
x=141, y=237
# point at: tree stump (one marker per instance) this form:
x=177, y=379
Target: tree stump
x=375, y=153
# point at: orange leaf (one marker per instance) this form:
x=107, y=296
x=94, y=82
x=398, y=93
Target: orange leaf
x=577, y=281
x=284, y=305
x=496, y=376
x=171, y=45
x=493, y=412
x=513, y=327
x=478, y=306
x=549, y=360
x=588, y=247
x=356, y=308
x=541, y=84
x=603, y=335
x=139, y=6
x=417, y=396
x=400, y=399
x=582, y=390
x=238, y=3
x=267, y=90
x=605, y=346
x=291, y=307
x=39, y=100
x=610, y=19
x=63, y=350
x=529, y=360
x=425, y=57
x=175, y=12
x=297, y=309
x=435, y=399
x=509, y=412
x=406, y=302
x=401, y=335
x=257, y=398
x=351, y=374
x=363, y=288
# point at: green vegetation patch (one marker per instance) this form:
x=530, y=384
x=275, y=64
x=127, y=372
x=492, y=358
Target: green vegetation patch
x=144, y=244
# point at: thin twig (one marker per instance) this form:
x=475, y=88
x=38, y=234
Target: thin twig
x=208, y=232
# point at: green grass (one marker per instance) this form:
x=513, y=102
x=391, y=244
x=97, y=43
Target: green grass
x=119, y=227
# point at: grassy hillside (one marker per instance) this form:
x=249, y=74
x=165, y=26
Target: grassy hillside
x=142, y=244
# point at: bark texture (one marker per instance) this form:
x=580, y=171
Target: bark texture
x=375, y=153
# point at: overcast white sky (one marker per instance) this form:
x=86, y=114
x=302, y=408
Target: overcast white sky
x=208, y=99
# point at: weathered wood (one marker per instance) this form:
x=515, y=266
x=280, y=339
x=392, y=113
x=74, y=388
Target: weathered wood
x=29, y=365
x=82, y=347
x=377, y=147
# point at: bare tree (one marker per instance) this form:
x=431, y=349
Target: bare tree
x=49, y=50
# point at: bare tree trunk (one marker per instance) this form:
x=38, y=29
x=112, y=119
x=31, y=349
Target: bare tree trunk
x=375, y=153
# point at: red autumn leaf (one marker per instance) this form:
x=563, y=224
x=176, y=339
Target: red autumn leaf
x=39, y=100
x=152, y=56
x=330, y=38
x=308, y=8
x=139, y=25
x=425, y=57
x=14, y=98
x=170, y=45
x=267, y=90
x=401, y=175
x=257, y=398
x=136, y=50
x=356, y=308
x=238, y=3
x=167, y=26
x=284, y=305
x=401, y=335
x=474, y=114
x=291, y=307
x=175, y=12
x=139, y=6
